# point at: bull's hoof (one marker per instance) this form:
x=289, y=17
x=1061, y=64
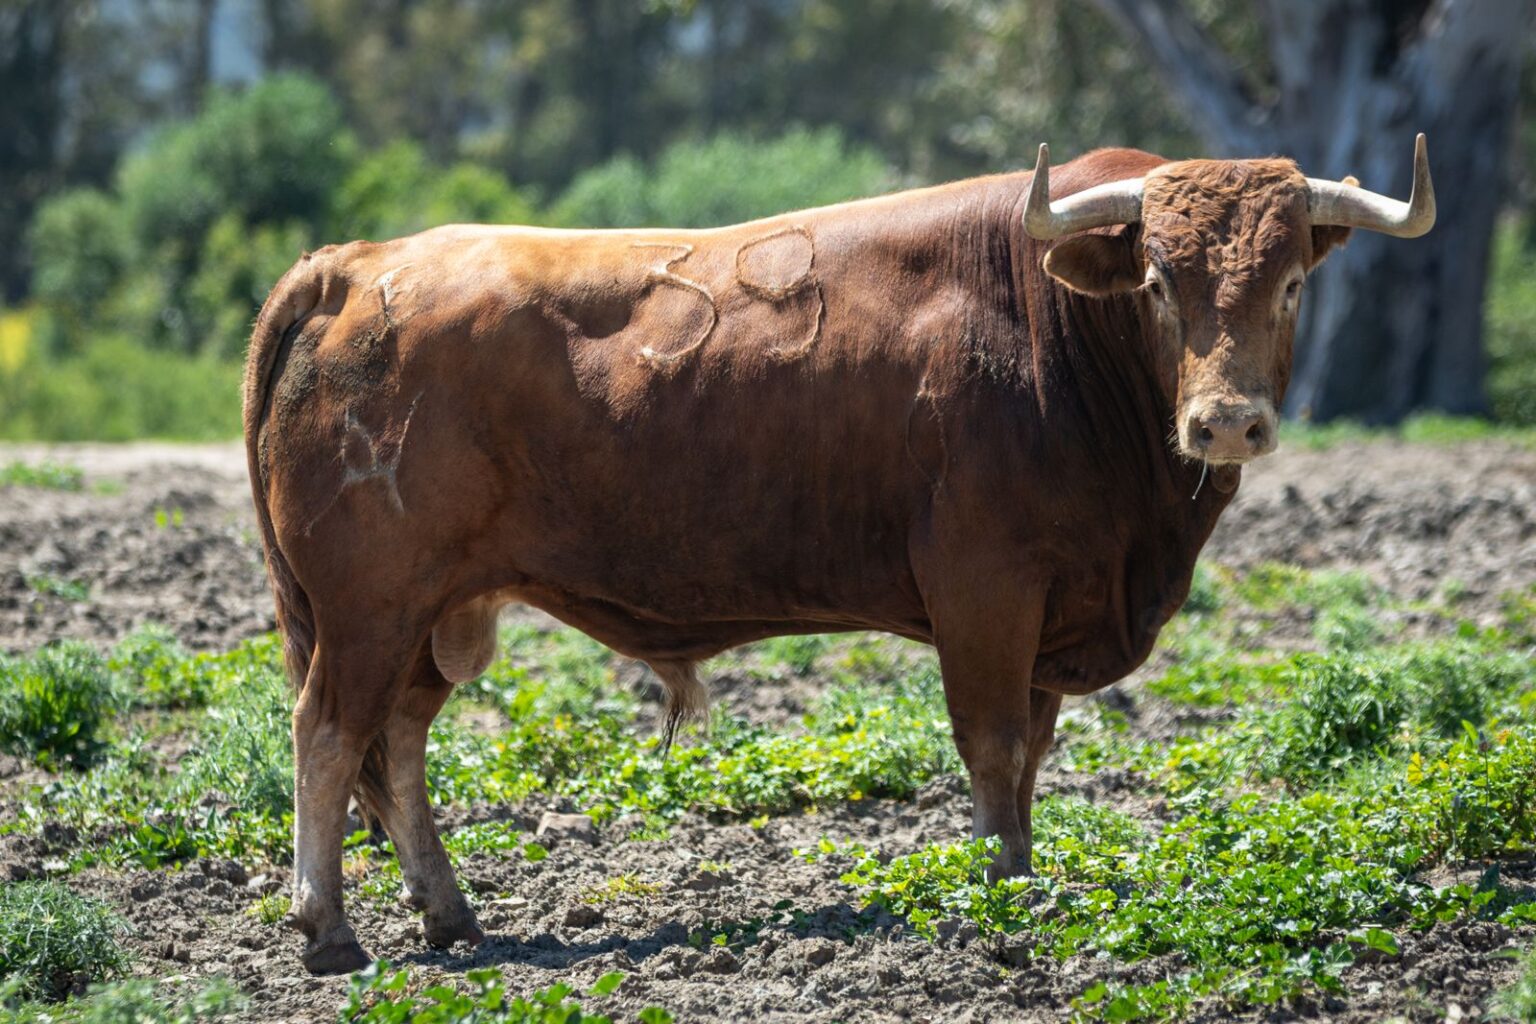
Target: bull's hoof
x=1009, y=867
x=339, y=955
x=460, y=926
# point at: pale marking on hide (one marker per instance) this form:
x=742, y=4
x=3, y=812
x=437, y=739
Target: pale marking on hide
x=664, y=274
x=773, y=290
x=385, y=295
x=382, y=463
x=787, y=352
x=776, y=292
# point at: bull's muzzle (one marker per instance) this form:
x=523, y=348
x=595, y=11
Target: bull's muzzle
x=1229, y=433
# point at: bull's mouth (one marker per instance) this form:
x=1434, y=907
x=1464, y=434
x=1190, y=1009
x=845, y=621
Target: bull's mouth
x=1193, y=454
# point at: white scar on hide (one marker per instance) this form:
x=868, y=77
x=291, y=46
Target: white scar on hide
x=379, y=460
x=662, y=273
x=384, y=284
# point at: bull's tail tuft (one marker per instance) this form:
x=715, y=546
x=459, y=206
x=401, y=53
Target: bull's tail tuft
x=687, y=698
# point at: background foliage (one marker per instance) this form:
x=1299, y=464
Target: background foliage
x=162, y=163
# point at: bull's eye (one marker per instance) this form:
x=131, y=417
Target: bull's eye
x=1290, y=296
x=1155, y=287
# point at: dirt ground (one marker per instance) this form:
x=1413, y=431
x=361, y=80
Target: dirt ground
x=165, y=534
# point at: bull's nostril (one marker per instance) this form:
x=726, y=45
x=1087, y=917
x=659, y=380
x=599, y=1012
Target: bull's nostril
x=1206, y=435
x=1255, y=433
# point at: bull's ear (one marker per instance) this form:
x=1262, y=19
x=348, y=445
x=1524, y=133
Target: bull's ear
x=1096, y=265
x=1324, y=241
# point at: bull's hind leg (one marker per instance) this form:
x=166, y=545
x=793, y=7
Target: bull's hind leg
x=343, y=708
x=429, y=880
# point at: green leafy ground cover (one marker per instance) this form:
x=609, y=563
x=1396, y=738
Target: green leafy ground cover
x=381, y=996
x=1293, y=824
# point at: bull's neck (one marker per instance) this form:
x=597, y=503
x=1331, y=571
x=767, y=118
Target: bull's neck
x=1087, y=382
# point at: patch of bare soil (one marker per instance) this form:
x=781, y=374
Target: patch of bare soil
x=172, y=540
x=1413, y=517
x=159, y=533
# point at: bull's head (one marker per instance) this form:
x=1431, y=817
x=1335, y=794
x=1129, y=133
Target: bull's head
x=1217, y=268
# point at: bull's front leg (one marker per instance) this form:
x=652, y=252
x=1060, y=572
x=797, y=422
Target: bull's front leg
x=986, y=660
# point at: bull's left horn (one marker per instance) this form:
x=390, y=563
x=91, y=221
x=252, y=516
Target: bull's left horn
x=1114, y=202
x=1337, y=203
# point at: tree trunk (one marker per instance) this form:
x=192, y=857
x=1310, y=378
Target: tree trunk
x=33, y=36
x=199, y=70
x=1388, y=326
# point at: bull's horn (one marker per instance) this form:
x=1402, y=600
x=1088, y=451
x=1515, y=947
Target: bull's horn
x=1115, y=202
x=1336, y=203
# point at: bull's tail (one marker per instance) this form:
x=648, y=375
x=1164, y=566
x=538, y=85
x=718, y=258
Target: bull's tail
x=299, y=293
x=292, y=299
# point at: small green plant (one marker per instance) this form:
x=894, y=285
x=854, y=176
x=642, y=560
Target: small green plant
x=55, y=704
x=169, y=518
x=1273, y=585
x=55, y=586
x=618, y=887
x=54, y=941
x=53, y=476
x=1204, y=591
x=1340, y=710
x=269, y=909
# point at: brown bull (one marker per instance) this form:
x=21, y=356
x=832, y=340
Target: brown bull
x=902, y=414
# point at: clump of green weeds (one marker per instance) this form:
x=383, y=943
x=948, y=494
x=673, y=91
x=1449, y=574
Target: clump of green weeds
x=137, y=1001
x=1517, y=1001
x=379, y=995
x=1261, y=899
x=158, y=673
x=232, y=791
x=270, y=909
x=54, y=941
x=1274, y=585
x=1519, y=608
x=57, y=586
x=1342, y=708
x=618, y=887
x=55, y=705
x=796, y=653
x=53, y=476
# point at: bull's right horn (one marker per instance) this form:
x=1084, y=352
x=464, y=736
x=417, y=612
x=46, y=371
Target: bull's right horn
x=1114, y=202
x=1338, y=203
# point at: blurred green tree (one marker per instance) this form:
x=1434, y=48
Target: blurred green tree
x=723, y=180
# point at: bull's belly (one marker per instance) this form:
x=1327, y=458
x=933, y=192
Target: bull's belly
x=649, y=599
x=639, y=635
